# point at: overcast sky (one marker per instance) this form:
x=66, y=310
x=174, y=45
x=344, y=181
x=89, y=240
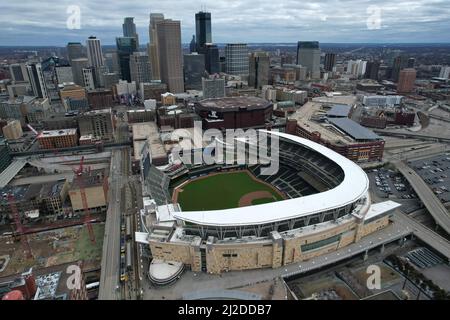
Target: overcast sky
x=44, y=22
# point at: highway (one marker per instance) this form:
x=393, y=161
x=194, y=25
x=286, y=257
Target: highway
x=110, y=265
x=426, y=195
x=411, y=135
x=428, y=236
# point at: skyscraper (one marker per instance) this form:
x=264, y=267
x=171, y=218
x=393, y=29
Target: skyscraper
x=18, y=72
x=212, y=62
x=37, y=80
x=170, y=54
x=77, y=70
x=444, y=72
x=192, y=45
x=202, y=29
x=259, y=70
x=94, y=51
x=236, y=55
x=308, y=55
x=372, y=70
x=213, y=87
x=153, y=52
x=74, y=51
x=400, y=63
x=88, y=78
x=129, y=29
x=112, y=62
x=406, y=80
x=125, y=47
x=194, y=69
x=330, y=61
x=140, y=70
x=95, y=57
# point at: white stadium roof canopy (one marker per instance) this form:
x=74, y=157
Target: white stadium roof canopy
x=352, y=188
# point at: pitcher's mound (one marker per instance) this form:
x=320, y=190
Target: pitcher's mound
x=247, y=200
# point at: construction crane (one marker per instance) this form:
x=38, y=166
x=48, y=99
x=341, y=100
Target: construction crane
x=87, y=215
x=19, y=227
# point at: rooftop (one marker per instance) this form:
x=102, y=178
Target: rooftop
x=355, y=130
x=57, y=133
x=339, y=110
x=234, y=103
x=353, y=187
x=90, y=178
x=147, y=131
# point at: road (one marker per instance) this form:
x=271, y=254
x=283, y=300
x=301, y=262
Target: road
x=428, y=236
x=110, y=266
x=426, y=195
x=412, y=135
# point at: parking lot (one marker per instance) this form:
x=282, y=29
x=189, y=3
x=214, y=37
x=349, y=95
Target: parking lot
x=435, y=172
x=386, y=183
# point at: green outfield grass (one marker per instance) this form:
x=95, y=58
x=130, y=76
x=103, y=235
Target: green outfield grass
x=221, y=191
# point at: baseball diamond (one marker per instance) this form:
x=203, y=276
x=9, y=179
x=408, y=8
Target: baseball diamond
x=224, y=190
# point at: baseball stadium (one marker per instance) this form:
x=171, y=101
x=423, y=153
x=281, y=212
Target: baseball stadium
x=221, y=217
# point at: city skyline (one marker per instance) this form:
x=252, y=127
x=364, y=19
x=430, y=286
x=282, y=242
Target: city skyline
x=333, y=21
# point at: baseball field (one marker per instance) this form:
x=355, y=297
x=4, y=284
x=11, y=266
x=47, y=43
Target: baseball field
x=223, y=191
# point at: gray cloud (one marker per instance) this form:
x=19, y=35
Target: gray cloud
x=43, y=22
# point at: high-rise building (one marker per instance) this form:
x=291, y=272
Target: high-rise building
x=194, y=69
x=400, y=63
x=110, y=79
x=153, y=51
x=95, y=57
x=129, y=29
x=74, y=51
x=13, y=130
x=170, y=54
x=357, y=68
x=112, y=62
x=445, y=72
x=37, y=80
x=64, y=74
x=5, y=157
x=308, y=55
x=236, y=55
x=19, y=73
x=202, y=29
x=406, y=80
x=98, y=123
x=125, y=48
x=88, y=78
x=213, y=87
x=372, y=70
x=212, y=62
x=140, y=70
x=259, y=70
x=77, y=70
x=330, y=61
x=94, y=50
x=193, y=45
x=411, y=62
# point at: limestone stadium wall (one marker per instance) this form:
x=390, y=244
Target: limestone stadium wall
x=271, y=253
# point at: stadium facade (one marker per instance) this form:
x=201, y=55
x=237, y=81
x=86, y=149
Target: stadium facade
x=327, y=207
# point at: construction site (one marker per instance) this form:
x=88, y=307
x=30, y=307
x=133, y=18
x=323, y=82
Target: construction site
x=52, y=214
